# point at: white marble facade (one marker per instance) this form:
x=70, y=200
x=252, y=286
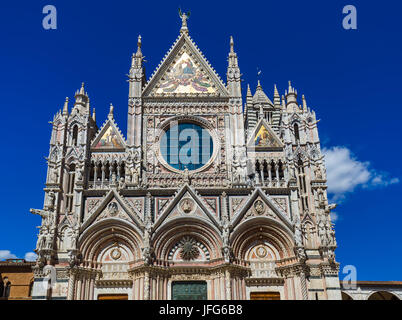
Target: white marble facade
x=120, y=218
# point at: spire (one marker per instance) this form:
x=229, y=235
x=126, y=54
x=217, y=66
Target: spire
x=94, y=115
x=249, y=94
x=136, y=58
x=65, y=108
x=110, y=116
x=233, y=72
x=277, y=98
x=139, y=45
x=304, y=103
x=184, y=17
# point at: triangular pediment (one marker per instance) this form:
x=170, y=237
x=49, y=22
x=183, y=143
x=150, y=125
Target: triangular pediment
x=112, y=206
x=187, y=204
x=109, y=138
x=259, y=204
x=264, y=138
x=185, y=72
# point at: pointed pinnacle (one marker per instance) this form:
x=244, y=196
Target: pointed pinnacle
x=139, y=45
x=65, y=108
x=111, y=111
x=231, y=44
x=82, y=91
x=276, y=93
x=249, y=91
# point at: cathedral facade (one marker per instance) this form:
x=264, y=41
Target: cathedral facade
x=209, y=195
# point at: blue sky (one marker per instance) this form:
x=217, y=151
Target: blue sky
x=351, y=78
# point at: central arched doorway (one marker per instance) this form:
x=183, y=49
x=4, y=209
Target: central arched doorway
x=189, y=290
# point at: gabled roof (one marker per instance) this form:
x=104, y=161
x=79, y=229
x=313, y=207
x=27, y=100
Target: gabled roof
x=109, y=138
x=260, y=97
x=185, y=72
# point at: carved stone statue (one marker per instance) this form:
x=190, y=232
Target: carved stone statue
x=51, y=200
x=298, y=234
x=122, y=183
x=318, y=173
x=134, y=176
x=41, y=243
x=74, y=237
x=322, y=233
x=186, y=176
x=54, y=176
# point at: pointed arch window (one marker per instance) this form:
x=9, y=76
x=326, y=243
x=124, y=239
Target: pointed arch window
x=296, y=132
x=75, y=136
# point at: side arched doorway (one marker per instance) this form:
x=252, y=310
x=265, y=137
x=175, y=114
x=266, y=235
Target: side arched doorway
x=383, y=295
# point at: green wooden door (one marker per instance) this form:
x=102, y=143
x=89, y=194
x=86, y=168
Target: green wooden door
x=189, y=290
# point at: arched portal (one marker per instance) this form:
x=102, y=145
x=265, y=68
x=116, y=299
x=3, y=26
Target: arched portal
x=383, y=295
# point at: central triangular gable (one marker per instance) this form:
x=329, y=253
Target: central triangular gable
x=187, y=203
x=185, y=72
x=263, y=137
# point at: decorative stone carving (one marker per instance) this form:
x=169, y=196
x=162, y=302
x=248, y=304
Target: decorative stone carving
x=187, y=205
x=259, y=207
x=189, y=249
x=113, y=209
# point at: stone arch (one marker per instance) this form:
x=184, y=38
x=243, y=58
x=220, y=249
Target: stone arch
x=246, y=235
x=346, y=296
x=64, y=238
x=168, y=235
x=106, y=233
x=382, y=295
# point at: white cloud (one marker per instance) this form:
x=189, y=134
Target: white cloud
x=334, y=216
x=6, y=254
x=345, y=173
x=30, y=256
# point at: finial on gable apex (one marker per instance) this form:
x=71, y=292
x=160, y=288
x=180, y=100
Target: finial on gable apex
x=184, y=17
x=110, y=116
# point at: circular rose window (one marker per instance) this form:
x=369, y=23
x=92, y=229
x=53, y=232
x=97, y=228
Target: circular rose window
x=186, y=145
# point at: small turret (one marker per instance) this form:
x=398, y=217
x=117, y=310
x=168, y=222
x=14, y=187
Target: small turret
x=291, y=99
x=81, y=101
